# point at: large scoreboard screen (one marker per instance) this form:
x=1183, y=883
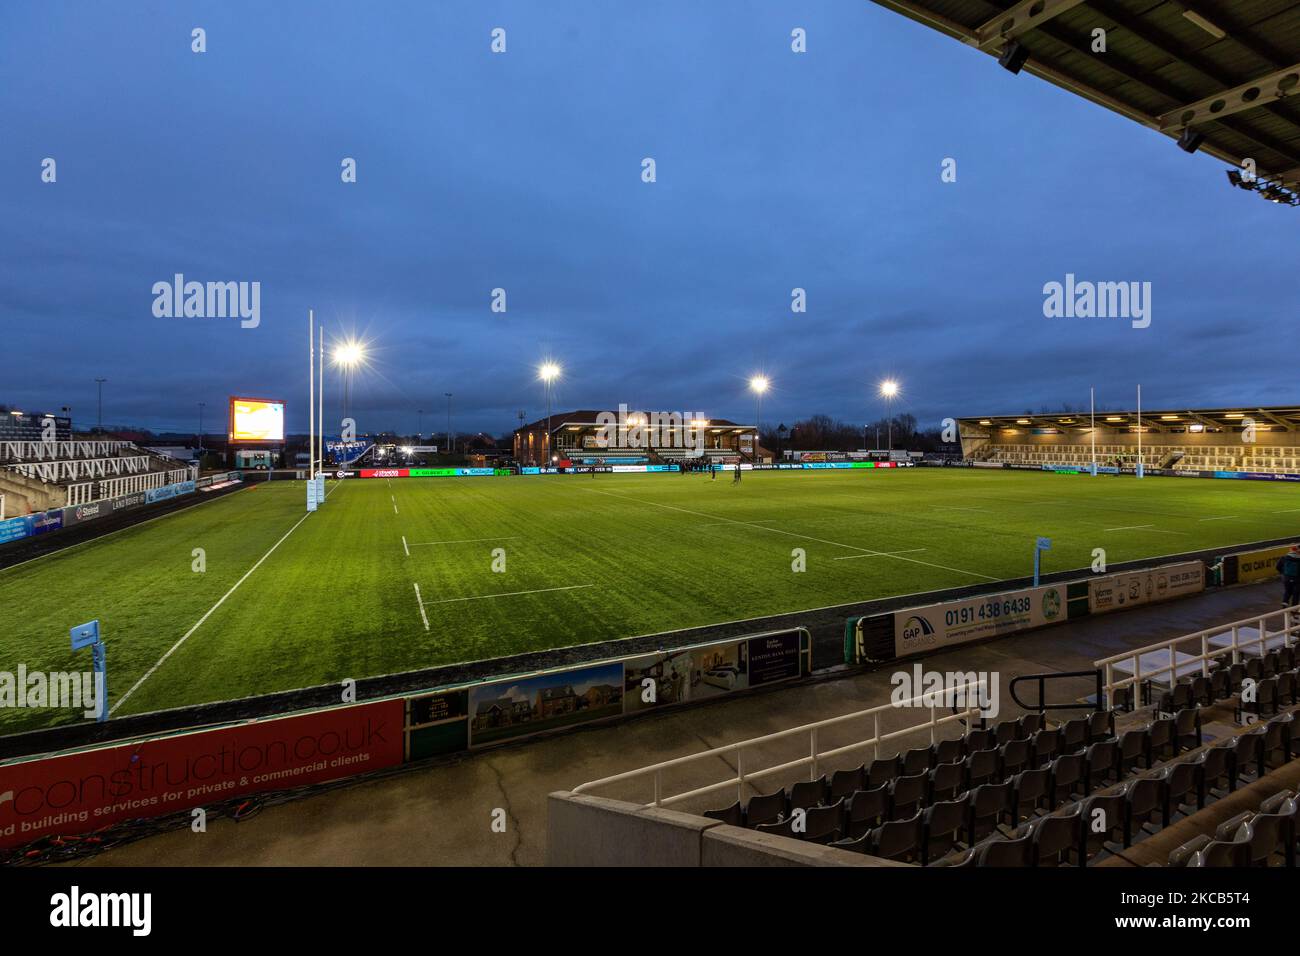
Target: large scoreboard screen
x=256, y=420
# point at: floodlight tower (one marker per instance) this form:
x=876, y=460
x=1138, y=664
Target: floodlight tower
x=548, y=372
x=758, y=384
x=889, y=391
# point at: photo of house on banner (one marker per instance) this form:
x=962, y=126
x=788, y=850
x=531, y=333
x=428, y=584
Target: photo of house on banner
x=530, y=705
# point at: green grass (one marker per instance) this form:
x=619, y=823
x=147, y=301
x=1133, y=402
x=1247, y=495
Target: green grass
x=636, y=554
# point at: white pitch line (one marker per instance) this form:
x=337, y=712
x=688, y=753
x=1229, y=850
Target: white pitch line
x=483, y=597
x=199, y=623
x=882, y=554
x=1289, y=511
x=418, y=600
x=795, y=534
x=1131, y=527
x=404, y=547
x=394, y=507
x=425, y=544
x=1220, y=518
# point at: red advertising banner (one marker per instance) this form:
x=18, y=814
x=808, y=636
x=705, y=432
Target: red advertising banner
x=385, y=472
x=80, y=792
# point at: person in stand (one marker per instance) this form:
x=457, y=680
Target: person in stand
x=1289, y=567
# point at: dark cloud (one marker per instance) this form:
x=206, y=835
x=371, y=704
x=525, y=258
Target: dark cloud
x=521, y=171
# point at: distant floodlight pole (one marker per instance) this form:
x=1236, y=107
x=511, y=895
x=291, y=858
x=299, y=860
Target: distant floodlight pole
x=99, y=419
x=311, y=394
x=759, y=383
x=201, y=404
x=548, y=373
x=889, y=389
x=419, y=425
x=1092, y=418
x=1139, y=468
x=319, y=451
x=450, y=448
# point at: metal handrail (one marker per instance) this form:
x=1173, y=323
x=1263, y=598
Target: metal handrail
x=966, y=691
x=1042, y=681
x=1289, y=631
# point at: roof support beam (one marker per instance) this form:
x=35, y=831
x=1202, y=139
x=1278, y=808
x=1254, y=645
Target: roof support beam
x=1020, y=19
x=1248, y=96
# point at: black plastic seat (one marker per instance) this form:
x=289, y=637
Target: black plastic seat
x=1015, y=756
x=1047, y=746
x=917, y=761
x=783, y=827
x=1217, y=854
x=1031, y=791
x=942, y=824
x=1276, y=743
x=946, y=751
x=1134, y=746
x=881, y=770
x=866, y=810
x=1067, y=777
x=1179, y=782
x=845, y=783
x=980, y=739
x=898, y=839
x=1187, y=729
x=1017, y=850
x=1220, y=685
x=1160, y=740
x=966, y=857
x=1176, y=698
x=822, y=824
x=1101, y=761
x=764, y=808
x=981, y=768
x=1074, y=734
x=807, y=793
x=1247, y=758
x=1143, y=796
x=1202, y=691
x=1031, y=724
x=1286, y=688
x=1104, y=817
x=1182, y=856
x=733, y=815
x=987, y=805
x=907, y=795
x=1006, y=731
x=946, y=781
x=1057, y=835
x=1101, y=725
x=1211, y=769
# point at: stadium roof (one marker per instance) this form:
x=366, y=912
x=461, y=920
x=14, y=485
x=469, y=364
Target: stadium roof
x=1155, y=419
x=1226, y=69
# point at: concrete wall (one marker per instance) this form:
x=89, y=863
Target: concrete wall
x=583, y=830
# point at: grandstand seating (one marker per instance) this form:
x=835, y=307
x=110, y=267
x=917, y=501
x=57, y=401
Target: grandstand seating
x=39, y=476
x=1276, y=459
x=1033, y=798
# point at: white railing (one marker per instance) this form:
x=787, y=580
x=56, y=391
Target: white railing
x=50, y=450
x=966, y=693
x=1193, y=652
